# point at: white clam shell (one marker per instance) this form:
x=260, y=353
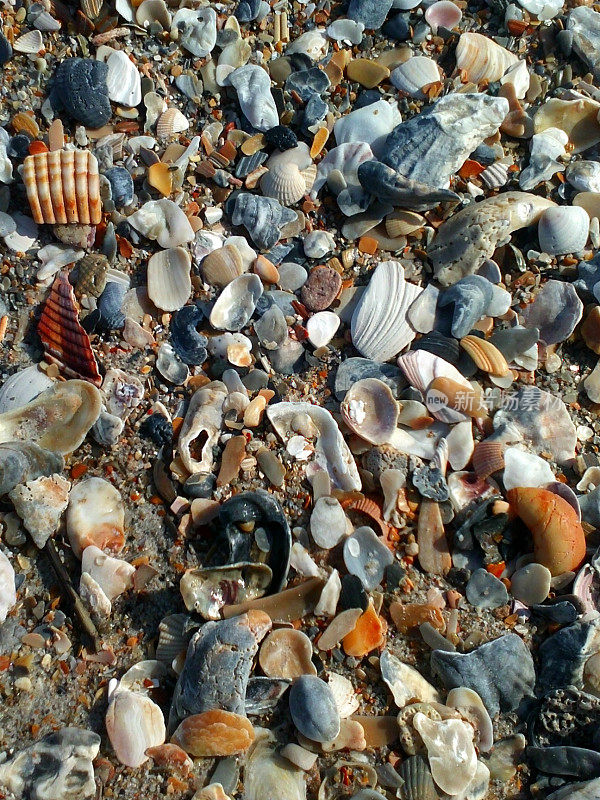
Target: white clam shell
x=519, y=76
x=134, y=723
x=113, y=575
x=370, y=410
x=30, y=42
x=8, y=592
x=460, y=444
x=123, y=79
x=525, y=469
x=450, y=750
x=197, y=30
x=415, y=73
x=421, y=367
x=443, y=13
x=169, y=281
x=584, y=175
x=285, y=183
x=563, y=229
x=481, y=59
x=370, y=124
x=95, y=516
x=204, y=415
x=321, y=328
x=470, y=704
x=23, y=387
x=253, y=87
x=380, y=327
x=236, y=303
x=405, y=682
x=313, y=43
x=164, y=221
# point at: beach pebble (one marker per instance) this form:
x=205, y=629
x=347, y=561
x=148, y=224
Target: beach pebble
x=366, y=556
x=371, y=13
x=531, y=584
x=40, y=504
x=321, y=288
x=328, y=523
x=313, y=709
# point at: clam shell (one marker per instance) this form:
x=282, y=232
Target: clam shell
x=173, y=638
x=370, y=410
x=421, y=367
x=153, y=11
x=221, y=266
x=486, y=356
x=164, y=221
x=30, y=42
x=8, y=591
x=63, y=186
x=22, y=387
x=563, y=229
x=481, y=59
x=577, y=117
x=286, y=653
x=134, y=723
x=444, y=14
x=267, y=774
x=95, y=516
x=58, y=419
x=170, y=122
x=65, y=342
x=169, y=280
x=418, y=783
x=379, y=325
x=236, y=303
x=403, y=222
x=207, y=590
x=584, y=176
x=414, y=74
x=123, y=80
x=321, y=328
x=488, y=457
x=284, y=182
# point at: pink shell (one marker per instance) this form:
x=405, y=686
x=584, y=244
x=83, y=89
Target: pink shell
x=443, y=14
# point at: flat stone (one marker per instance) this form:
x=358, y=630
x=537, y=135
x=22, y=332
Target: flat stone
x=484, y=590
x=313, y=709
x=321, y=288
x=370, y=12
x=368, y=73
x=531, y=584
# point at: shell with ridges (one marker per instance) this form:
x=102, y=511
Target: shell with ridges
x=63, y=186
x=91, y=275
x=30, y=42
x=421, y=367
x=418, y=783
x=485, y=355
x=222, y=265
x=481, y=59
x=414, y=74
x=488, y=457
x=170, y=122
x=169, y=281
x=285, y=183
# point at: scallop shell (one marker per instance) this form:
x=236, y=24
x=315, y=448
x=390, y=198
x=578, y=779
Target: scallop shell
x=418, y=783
x=485, y=355
x=169, y=281
x=414, y=74
x=488, y=457
x=496, y=175
x=285, y=183
x=63, y=186
x=31, y=42
x=173, y=638
x=65, y=342
x=444, y=14
x=221, y=266
x=563, y=229
x=481, y=59
x=380, y=329
x=170, y=122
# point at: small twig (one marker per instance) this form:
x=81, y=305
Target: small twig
x=68, y=590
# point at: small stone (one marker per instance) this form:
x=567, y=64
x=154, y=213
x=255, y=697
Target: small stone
x=590, y=330
x=328, y=522
x=367, y=73
x=5, y=49
x=121, y=184
x=281, y=137
x=370, y=12
x=484, y=590
x=531, y=584
x=322, y=287
x=366, y=556
x=214, y=733
x=313, y=709
x=299, y=757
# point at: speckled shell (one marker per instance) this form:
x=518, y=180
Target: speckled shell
x=65, y=342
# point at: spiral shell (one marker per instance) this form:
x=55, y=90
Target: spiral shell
x=63, y=186
x=485, y=355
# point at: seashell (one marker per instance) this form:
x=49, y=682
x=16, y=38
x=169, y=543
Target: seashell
x=391, y=187
x=370, y=410
x=345, y=160
x=286, y=653
x=450, y=751
x=480, y=58
x=379, y=327
x=173, y=758
x=525, y=469
x=188, y=344
x=546, y=148
x=496, y=175
x=253, y=87
x=472, y=708
x=577, y=117
x=222, y=265
x=405, y=682
x=171, y=122
x=123, y=80
x=164, y=221
x=236, y=303
x=558, y=538
x=263, y=217
x=488, y=458
x=555, y=311
x=368, y=634
x=486, y=356
x=371, y=124
x=403, y=222
x=150, y=11
x=367, y=557
x=169, y=280
x=8, y=592
x=443, y=14
x=468, y=238
x=91, y=8
x=25, y=461
x=65, y=342
x=321, y=328
x=22, y=387
x=312, y=43
x=421, y=368
x=133, y=723
x=207, y=590
x=328, y=523
x=173, y=638
x=268, y=774
x=30, y=42
x=584, y=176
x=63, y=186
x=418, y=783
x=91, y=275
x=40, y=504
x=563, y=229
x=285, y=183
x=196, y=30
x=113, y=575
x=445, y=396
x=79, y=88
x=411, y=76
x=95, y=516
x=214, y=733
x=204, y=416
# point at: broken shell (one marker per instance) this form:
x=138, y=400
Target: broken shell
x=150, y=11
x=563, y=229
x=486, y=357
x=172, y=757
x=214, y=733
x=63, y=186
x=411, y=76
x=418, y=783
x=169, y=281
x=58, y=419
x=65, y=341
x=421, y=368
x=25, y=461
x=253, y=87
x=481, y=59
x=285, y=182
x=113, y=575
x=30, y=42
x=443, y=13
x=221, y=266
x=236, y=303
x=268, y=774
x=40, y=504
x=22, y=387
x=286, y=653
x=450, y=751
x=173, y=638
x=204, y=415
x=488, y=457
x=321, y=328
x=207, y=590
x=379, y=326
x=95, y=516
x=370, y=410
x=8, y=591
x=328, y=523
x=445, y=396
x=133, y=723
x=368, y=634
x=471, y=706
x=577, y=117
x=164, y=221
x=405, y=682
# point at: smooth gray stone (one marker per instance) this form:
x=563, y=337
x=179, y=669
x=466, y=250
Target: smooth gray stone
x=484, y=590
x=271, y=328
x=355, y=369
x=288, y=358
x=590, y=790
x=313, y=709
x=433, y=145
x=590, y=506
x=121, y=186
x=577, y=762
x=470, y=296
x=366, y=556
x=263, y=218
x=563, y=655
x=501, y=672
x=556, y=311
x=513, y=341
x=371, y=13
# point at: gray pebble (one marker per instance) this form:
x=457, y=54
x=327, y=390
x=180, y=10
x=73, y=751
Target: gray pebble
x=313, y=709
x=366, y=556
x=484, y=590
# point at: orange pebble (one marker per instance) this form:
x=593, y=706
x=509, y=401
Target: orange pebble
x=368, y=245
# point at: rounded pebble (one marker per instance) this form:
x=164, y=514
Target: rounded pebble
x=313, y=709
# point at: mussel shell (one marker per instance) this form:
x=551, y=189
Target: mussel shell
x=25, y=461
x=207, y=590
x=233, y=545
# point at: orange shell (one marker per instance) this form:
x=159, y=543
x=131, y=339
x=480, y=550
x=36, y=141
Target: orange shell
x=214, y=733
x=488, y=457
x=558, y=538
x=65, y=342
x=368, y=633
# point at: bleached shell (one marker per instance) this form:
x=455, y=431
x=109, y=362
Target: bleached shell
x=204, y=416
x=8, y=592
x=379, y=326
x=481, y=59
x=321, y=328
x=170, y=122
x=313, y=43
x=123, y=80
x=563, y=229
x=222, y=265
x=471, y=706
x=328, y=523
x=576, y=116
x=285, y=183
x=450, y=750
x=169, y=280
x=236, y=303
x=405, y=682
x=460, y=444
x=95, y=516
x=414, y=74
x=584, y=175
x=370, y=410
x=519, y=76
x=525, y=469
x=267, y=774
x=30, y=42
x=113, y=575
x=206, y=591
x=142, y=677
x=372, y=123
x=150, y=11
x=197, y=30
x=346, y=699
x=134, y=723
x=63, y=186
x=253, y=87
x=443, y=13
x=421, y=367
x=93, y=597
x=22, y=387
x=346, y=30
x=164, y=221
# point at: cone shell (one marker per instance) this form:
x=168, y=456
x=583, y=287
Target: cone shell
x=481, y=59
x=221, y=266
x=488, y=457
x=65, y=342
x=558, y=538
x=485, y=355
x=284, y=182
x=63, y=186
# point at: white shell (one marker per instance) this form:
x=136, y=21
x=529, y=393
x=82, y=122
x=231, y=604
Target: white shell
x=575, y=114
x=370, y=124
x=421, y=367
x=8, y=592
x=196, y=29
x=370, y=410
x=344, y=695
x=496, y=175
x=346, y=30
x=519, y=76
x=321, y=328
x=153, y=11
x=460, y=444
x=285, y=183
x=443, y=13
x=380, y=328
x=471, y=706
x=113, y=575
x=317, y=244
x=563, y=229
x=543, y=9
x=328, y=523
x=422, y=311
x=313, y=43
x=450, y=750
x=169, y=281
x=236, y=303
x=267, y=774
x=164, y=221
x=253, y=87
x=481, y=59
x=30, y=42
x=171, y=122
x=584, y=175
x=344, y=161
x=134, y=723
x=525, y=469
x=123, y=79
x=23, y=387
x=204, y=415
x=330, y=595
x=95, y=516
x=546, y=147
x=415, y=73
x=405, y=682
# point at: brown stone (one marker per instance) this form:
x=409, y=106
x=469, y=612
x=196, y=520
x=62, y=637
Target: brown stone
x=407, y=617
x=368, y=73
x=590, y=330
x=322, y=287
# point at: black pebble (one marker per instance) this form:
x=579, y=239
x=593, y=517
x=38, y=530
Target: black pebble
x=6, y=50
x=157, y=428
x=281, y=137
x=353, y=594
x=80, y=89
x=200, y=486
x=18, y=147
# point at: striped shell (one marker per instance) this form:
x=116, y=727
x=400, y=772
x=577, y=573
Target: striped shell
x=495, y=176
x=65, y=342
x=481, y=59
x=63, y=186
x=485, y=355
x=488, y=457
x=285, y=182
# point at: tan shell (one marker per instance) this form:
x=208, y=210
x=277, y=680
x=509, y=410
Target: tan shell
x=91, y=275
x=25, y=122
x=455, y=396
x=402, y=222
x=286, y=653
x=221, y=266
x=481, y=59
x=169, y=281
x=170, y=122
x=488, y=457
x=284, y=182
x=485, y=355
x=63, y=186
x=214, y=733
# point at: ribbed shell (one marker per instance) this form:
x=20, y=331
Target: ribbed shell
x=488, y=457
x=418, y=783
x=481, y=59
x=222, y=265
x=65, y=342
x=285, y=183
x=63, y=186
x=496, y=175
x=485, y=355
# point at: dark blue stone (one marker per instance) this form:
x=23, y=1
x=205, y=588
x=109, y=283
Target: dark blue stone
x=307, y=81
x=121, y=186
x=371, y=13
x=281, y=137
x=397, y=28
